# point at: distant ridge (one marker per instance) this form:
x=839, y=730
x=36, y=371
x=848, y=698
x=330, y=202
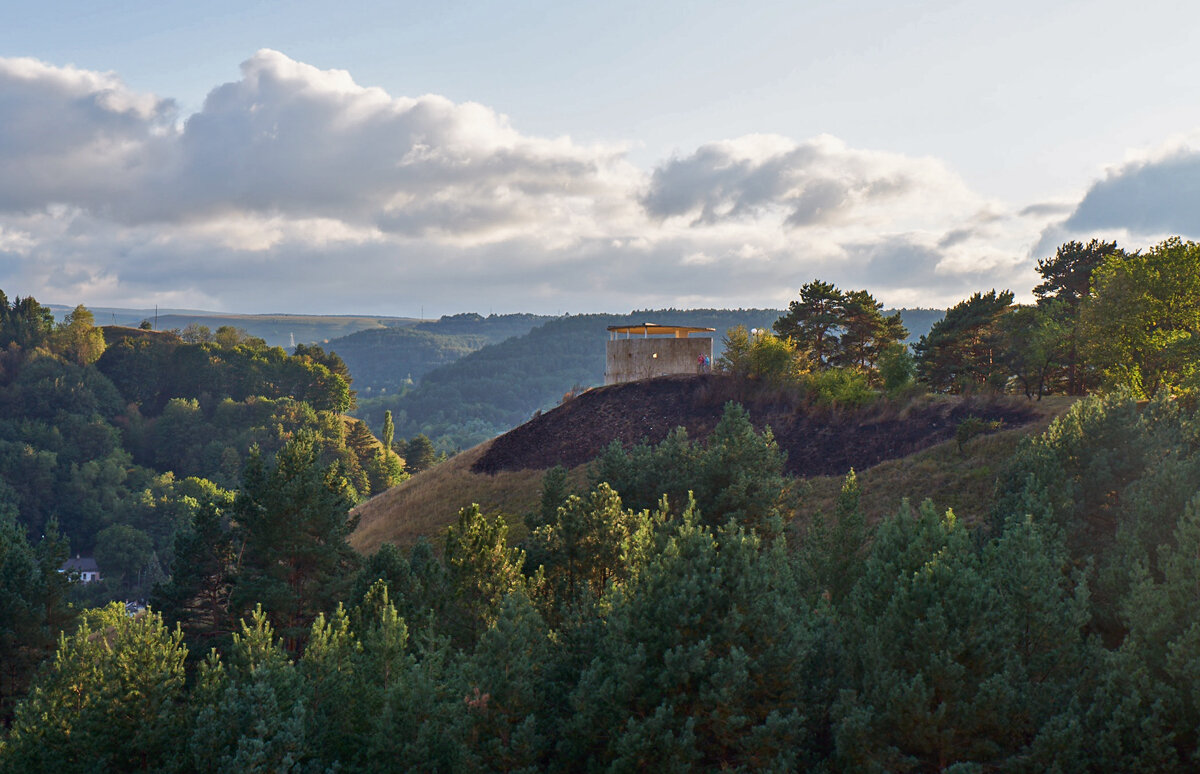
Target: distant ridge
x=278, y=330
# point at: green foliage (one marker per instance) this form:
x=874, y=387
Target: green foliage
x=388, y=434
x=1067, y=281
x=1141, y=324
x=235, y=367
x=292, y=523
x=956, y=656
x=110, y=700
x=831, y=555
x=77, y=339
x=762, y=356
x=482, y=569
x=590, y=543
x=33, y=606
x=704, y=663
x=506, y=724
x=1075, y=473
x=840, y=328
x=1163, y=643
x=197, y=595
x=962, y=352
x=813, y=320
x=897, y=369
x=251, y=714
x=972, y=427
x=736, y=474
x=419, y=454
x=1067, y=277
x=25, y=325
x=1036, y=341
x=125, y=555
x=782, y=363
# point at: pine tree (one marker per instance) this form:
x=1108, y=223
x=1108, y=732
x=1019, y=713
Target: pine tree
x=705, y=662
x=292, y=521
x=962, y=351
x=813, y=321
x=111, y=699
x=832, y=554
x=33, y=606
x=955, y=655
x=507, y=723
x=587, y=546
x=420, y=454
x=197, y=596
x=250, y=713
x=1066, y=282
x=482, y=569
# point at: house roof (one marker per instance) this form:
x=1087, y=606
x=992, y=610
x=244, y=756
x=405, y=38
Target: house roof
x=81, y=564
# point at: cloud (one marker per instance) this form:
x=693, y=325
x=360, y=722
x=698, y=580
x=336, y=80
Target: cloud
x=298, y=189
x=1149, y=197
x=819, y=182
x=288, y=139
x=1046, y=208
x=73, y=136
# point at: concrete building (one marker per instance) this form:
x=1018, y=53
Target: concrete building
x=645, y=350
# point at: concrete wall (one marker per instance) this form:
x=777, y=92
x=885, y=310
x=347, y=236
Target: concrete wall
x=641, y=358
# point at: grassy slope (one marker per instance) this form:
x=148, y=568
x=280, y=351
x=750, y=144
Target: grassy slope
x=963, y=481
x=429, y=501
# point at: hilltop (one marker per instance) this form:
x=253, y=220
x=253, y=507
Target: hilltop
x=913, y=443
x=497, y=386
x=818, y=441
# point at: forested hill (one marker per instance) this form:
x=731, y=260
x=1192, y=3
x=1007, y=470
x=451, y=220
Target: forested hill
x=489, y=391
x=384, y=360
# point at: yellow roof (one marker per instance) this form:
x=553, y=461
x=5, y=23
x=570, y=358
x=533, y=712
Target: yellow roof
x=654, y=329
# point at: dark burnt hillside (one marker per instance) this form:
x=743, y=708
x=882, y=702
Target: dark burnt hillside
x=818, y=441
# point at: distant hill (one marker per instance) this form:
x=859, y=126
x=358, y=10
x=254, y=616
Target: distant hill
x=384, y=360
x=497, y=387
x=918, y=321
x=278, y=330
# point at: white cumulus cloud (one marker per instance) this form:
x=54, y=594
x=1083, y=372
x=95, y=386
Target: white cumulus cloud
x=297, y=189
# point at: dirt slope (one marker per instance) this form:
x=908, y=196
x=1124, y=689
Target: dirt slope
x=818, y=442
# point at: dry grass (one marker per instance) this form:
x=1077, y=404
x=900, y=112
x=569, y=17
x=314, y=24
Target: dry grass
x=964, y=480
x=427, y=503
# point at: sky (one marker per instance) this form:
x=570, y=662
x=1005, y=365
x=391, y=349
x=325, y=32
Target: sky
x=400, y=158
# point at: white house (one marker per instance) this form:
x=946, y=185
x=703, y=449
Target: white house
x=84, y=566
